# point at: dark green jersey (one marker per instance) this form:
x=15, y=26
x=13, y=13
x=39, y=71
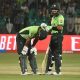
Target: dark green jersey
x=30, y=32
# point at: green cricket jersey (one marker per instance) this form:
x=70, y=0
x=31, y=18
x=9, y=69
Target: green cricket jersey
x=30, y=32
x=56, y=21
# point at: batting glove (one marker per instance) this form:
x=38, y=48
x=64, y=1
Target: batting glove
x=25, y=50
x=33, y=50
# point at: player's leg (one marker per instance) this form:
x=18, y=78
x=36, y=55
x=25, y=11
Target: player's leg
x=22, y=62
x=57, y=55
x=22, y=58
x=32, y=58
x=55, y=52
x=48, y=68
x=60, y=48
x=33, y=62
x=50, y=61
x=57, y=62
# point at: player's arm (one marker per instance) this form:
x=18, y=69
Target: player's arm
x=33, y=49
x=35, y=41
x=50, y=28
x=27, y=41
x=58, y=27
x=25, y=48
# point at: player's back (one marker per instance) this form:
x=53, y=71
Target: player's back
x=30, y=31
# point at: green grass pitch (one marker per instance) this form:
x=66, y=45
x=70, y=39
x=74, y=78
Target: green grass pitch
x=10, y=70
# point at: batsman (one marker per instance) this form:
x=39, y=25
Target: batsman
x=55, y=46
x=26, y=48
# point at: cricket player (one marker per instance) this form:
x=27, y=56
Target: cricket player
x=55, y=46
x=26, y=48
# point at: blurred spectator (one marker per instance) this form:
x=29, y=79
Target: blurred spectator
x=43, y=14
x=9, y=25
x=2, y=24
x=77, y=7
x=24, y=13
x=25, y=10
x=20, y=1
x=32, y=14
x=71, y=9
x=64, y=5
x=19, y=21
x=70, y=25
x=77, y=25
x=7, y=10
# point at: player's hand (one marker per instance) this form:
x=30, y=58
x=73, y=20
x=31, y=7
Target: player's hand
x=25, y=50
x=33, y=51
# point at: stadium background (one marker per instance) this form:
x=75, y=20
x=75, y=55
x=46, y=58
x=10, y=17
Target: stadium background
x=17, y=14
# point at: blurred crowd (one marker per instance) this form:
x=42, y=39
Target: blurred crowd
x=17, y=14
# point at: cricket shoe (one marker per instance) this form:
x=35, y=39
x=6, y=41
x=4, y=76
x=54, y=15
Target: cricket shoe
x=49, y=73
x=38, y=73
x=55, y=73
x=26, y=73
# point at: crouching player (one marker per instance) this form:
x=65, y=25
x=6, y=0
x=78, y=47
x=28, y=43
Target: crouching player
x=25, y=48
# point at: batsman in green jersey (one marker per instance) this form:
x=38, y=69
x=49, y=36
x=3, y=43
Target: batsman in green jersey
x=26, y=48
x=55, y=46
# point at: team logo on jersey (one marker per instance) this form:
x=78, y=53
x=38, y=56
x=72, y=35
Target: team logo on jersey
x=61, y=20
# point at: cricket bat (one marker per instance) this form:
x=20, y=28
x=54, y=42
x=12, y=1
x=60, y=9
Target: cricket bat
x=43, y=66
